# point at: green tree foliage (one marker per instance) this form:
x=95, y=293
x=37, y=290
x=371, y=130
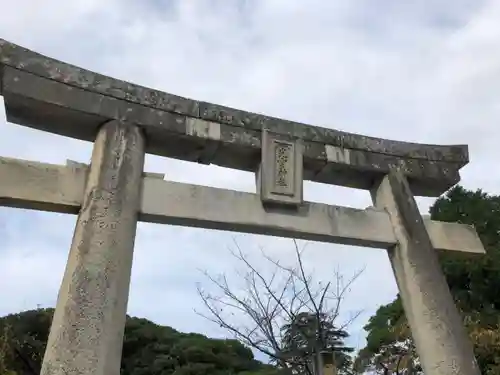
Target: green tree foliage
x=5, y=352
x=149, y=349
x=474, y=283
x=389, y=348
x=311, y=333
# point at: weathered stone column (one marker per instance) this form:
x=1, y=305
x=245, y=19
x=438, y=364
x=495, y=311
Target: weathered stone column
x=437, y=328
x=328, y=363
x=86, y=337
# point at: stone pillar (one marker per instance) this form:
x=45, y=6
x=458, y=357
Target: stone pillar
x=328, y=363
x=441, y=340
x=86, y=336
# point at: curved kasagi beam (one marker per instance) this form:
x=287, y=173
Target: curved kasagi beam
x=53, y=96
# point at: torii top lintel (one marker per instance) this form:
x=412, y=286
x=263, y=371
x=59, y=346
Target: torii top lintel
x=53, y=96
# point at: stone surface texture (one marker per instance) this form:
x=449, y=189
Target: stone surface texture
x=64, y=99
x=280, y=174
x=442, y=343
x=113, y=193
x=86, y=336
x=59, y=188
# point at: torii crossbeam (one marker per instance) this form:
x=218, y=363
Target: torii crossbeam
x=125, y=121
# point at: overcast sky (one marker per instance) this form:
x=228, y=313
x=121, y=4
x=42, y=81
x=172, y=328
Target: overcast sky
x=426, y=71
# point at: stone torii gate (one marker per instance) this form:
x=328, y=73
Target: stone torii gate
x=125, y=121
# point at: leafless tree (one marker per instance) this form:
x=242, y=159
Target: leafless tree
x=257, y=312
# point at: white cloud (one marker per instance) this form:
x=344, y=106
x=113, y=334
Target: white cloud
x=424, y=72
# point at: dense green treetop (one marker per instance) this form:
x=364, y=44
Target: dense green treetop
x=474, y=282
x=149, y=349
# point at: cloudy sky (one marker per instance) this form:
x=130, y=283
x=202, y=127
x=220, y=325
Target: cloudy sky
x=426, y=71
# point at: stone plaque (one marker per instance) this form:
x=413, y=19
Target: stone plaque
x=279, y=178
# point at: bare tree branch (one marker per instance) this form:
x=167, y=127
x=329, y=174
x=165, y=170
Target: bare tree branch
x=258, y=313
